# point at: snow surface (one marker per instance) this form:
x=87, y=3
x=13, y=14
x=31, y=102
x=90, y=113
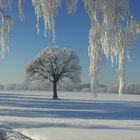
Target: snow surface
x=8, y=134
x=76, y=116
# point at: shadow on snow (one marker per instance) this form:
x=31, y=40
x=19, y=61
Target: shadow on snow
x=41, y=107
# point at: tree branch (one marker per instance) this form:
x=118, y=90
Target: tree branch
x=2, y=13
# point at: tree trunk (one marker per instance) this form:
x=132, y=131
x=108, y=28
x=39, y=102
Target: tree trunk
x=121, y=70
x=55, y=90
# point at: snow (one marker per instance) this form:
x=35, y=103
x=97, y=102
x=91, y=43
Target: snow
x=76, y=116
x=7, y=134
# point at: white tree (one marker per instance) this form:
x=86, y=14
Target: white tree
x=54, y=64
x=112, y=30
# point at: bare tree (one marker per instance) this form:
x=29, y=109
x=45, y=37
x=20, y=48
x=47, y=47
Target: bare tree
x=54, y=64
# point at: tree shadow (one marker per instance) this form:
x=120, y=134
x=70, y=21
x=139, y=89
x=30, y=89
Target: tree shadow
x=16, y=125
x=20, y=105
x=85, y=109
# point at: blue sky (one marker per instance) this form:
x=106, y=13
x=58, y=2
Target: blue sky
x=71, y=32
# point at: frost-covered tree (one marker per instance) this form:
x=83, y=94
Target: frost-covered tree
x=54, y=64
x=112, y=30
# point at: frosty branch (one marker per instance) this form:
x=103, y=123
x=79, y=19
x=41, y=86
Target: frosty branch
x=5, y=31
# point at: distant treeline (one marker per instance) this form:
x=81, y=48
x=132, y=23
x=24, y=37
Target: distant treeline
x=69, y=86
x=63, y=86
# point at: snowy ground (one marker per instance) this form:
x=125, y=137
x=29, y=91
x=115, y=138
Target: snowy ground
x=77, y=116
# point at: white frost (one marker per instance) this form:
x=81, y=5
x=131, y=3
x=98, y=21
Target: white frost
x=71, y=6
x=112, y=30
x=47, y=10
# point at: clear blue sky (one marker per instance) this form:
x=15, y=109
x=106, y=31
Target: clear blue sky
x=72, y=32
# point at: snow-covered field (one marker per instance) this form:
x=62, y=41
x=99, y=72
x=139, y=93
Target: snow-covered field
x=77, y=116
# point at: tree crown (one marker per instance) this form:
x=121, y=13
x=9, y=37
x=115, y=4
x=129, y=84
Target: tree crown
x=54, y=64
